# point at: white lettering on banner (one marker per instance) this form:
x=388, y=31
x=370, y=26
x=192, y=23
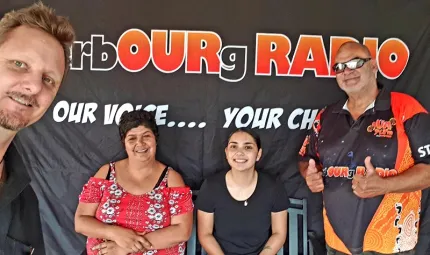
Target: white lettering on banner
x=84, y=112
x=75, y=115
x=274, y=115
x=116, y=111
x=229, y=116
x=261, y=118
x=246, y=114
x=424, y=151
x=123, y=108
x=110, y=111
x=160, y=114
x=89, y=110
x=260, y=121
x=309, y=116
x=62, y=105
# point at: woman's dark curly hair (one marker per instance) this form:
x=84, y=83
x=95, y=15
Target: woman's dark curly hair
x=133, y=119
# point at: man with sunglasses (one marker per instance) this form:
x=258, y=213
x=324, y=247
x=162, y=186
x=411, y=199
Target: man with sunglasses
x=370, y=156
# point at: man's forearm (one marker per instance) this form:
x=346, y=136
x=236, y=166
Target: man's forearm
x=414, y=179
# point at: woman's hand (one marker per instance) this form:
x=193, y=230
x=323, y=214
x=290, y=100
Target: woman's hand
x=129, y=239
x=111, y=248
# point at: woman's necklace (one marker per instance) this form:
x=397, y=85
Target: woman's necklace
x=245, y=203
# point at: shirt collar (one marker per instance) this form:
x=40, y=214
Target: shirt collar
x=381, y=103
x=371, y=105
x=17, y=177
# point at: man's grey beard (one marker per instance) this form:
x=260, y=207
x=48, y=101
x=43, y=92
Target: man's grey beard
x=10, y=122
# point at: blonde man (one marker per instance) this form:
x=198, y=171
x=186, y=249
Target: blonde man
x=35, y=47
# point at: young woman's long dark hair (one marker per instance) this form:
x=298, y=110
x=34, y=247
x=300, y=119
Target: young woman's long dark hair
x=250, y=132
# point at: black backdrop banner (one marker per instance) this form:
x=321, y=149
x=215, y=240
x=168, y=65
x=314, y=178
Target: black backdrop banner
x=205, y=68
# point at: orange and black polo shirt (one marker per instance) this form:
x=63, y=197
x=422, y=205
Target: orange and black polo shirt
x=395, y=132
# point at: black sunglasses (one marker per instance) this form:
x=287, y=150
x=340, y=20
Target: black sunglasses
x=351, y=64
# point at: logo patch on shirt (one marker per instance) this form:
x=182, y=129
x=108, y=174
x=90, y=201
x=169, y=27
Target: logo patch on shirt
x=382, y=128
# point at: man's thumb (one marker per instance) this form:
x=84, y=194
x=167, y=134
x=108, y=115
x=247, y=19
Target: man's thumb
x=312, y=168
x=370, y=169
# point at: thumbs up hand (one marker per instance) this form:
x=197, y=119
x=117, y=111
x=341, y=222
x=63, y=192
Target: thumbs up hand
x=314, y=177
x=370, y=184
x=370, y=169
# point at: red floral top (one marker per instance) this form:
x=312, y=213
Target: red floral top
x=141, y=213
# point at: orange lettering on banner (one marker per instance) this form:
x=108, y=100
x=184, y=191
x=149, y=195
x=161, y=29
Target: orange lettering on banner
x=203, y=46
x=372, y=45
x=272, y=48
x=392, y=58
x=134, y=50
x=310, y=55
x=168, y=56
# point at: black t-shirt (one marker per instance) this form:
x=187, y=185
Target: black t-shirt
x=241, y=229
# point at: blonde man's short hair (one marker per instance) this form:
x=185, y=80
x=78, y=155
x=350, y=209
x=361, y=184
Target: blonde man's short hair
x=41, y=17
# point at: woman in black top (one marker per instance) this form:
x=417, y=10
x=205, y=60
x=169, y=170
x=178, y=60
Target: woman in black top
x=242, y=211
